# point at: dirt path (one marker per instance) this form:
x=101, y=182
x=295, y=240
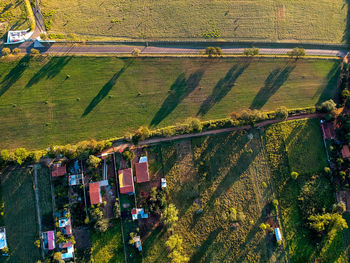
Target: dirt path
x=36, y=190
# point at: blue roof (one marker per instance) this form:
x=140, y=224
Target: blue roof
x=278, y=234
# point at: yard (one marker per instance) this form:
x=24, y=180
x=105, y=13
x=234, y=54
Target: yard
x=12, y=16
x=208, y=177
x=297, y=146
x=60, y=100
x=20, y=215
x=270, y=20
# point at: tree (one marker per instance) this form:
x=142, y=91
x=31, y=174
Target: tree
x=275, y=203
x=57, y=256
x=339, y=207
x=177, y=257
x=263, y=226
x=4, y=156
x=170, y=215
x=213, y=51
x=327, y=170
x=20, y=155
x=117, y=208
x=251, y=52
x=218, y=51
x=294, y=175
x=328, y=106
x=94, y=161
x=174, y=242
x=128, y=155
x=233, y=214
x=282, y=113
x=6, y=51
x=34, y=51
x=194, y=124
x=297, y=53
x=345, y=94
x=136, y=52
x=37, y=243
x=16, y=51
x=102, y=225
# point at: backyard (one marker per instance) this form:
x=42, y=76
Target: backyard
x=208, y=182
x=20, y=218
x=312, y=192
x=47, y=100
x=270, y=20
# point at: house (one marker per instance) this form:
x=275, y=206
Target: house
x=95, y=194
x=138, y=213
x=163, y=182
x=278, y=234
x=58, y=170
x=3, y=242
x=126, y=183
x=141, y=168
x=137, y=242
x=328, y=130
x=345, y=152
x=68, y=252
x=64, y=224
x=75, y=179
x=48, y=239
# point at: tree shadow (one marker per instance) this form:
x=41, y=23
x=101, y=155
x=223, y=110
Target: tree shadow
x=346, y=35
x=14, y=75
x=201, y=251
x=50, y=70
x=223, y=87
x=273, y=82
x=179, y=90
x=106, y=89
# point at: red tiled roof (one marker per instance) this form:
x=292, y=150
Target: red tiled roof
x=141, y=172
x=68, y=230
x=58, y=171
x=95, y=197
x=126, y=182
x=345, y=152
x=65, y=245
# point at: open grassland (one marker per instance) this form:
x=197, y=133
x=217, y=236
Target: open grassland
x=12, y=16
x=108, y=246
x=297, y=146
x=269, y=20
x=63, y=100
x=45, y=198
x=20, y=219
x=206, y=178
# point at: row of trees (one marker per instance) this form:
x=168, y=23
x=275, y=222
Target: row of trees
x=251, y=52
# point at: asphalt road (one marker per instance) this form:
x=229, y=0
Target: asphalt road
x=102, y=49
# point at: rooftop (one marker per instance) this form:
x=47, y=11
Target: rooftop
x=58, y=170
x=126, y=182
x=95, y=195
x=142, y=174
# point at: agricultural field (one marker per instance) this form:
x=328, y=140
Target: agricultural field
x=207, y=181
x=20, y=218
x=294, y=21
x=60, y=100
x=12, y=16
x=287, y=144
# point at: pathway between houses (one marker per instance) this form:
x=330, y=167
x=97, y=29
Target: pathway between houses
x=36, y=190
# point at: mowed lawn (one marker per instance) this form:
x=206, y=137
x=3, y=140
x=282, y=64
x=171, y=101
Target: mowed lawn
x=60, y=100
x=207, y=178
x=297, y=146
x=20, y=218
x=269, y=20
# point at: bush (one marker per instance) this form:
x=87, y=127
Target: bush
x=128, y=155
x=328, y=106
x=251, y=52
x=263, y=226
x=213, y=51
x=135, y=52
x=282, y=113
x=20, y=155
x=345, y=94
x=327, y=170
x=6, y=51
x=16, y=51
x=34, y=51
x=294, y=175
x=297, y=53
x=275, y=203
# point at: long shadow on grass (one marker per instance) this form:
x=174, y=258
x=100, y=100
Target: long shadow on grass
x=274, y=81
x=179, y=90
x=106, y=89
x=346, y=35
x=49, y=70
x=14, y=75
x=201, y=251
x=223, y=87
x=330, y=91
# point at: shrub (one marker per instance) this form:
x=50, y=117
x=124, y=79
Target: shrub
x=345, y=94
x=94, y=161
x=294, y=175
x=328, y=106
x=170, y=216
x=275, y=203
x=20, y=155
x=6, y=51
x=136, y=52
x=327, y=170
x=297, y=53
x=213, y=51
x=263, y=226
x=128, y=155
x=251, y=52
x=194, y=124
x=281, y=113
x=37, y=243
x=16, y=51
x=34, y=51
x=339, y=207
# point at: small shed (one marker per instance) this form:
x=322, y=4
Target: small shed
x=3, y=242
x=163, y=182
x=138, y=213
x=75, y=179
x=137, y=242
x=278, y=234
x=95, y=194
x=345, y=152
x=58, y=170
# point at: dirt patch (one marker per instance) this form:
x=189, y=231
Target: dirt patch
x=82, y=237
x=281, y=12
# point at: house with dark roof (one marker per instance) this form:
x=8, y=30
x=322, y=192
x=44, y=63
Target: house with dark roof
x=328, y=130
x=126, y=182
x=58, y=169
x=95, y=194
x=141, y=169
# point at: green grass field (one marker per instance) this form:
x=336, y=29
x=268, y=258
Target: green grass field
x=20, y=218
x=270, y=20
x=45, y=198
x=12, y=16
x=108, y=246
x=62, y=100
x=297, y=146
x=206, y=174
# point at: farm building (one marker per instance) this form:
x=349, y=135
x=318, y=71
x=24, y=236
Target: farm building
x=48, y=239
x=95, y=194
x=141, y=168
x=138, y=213
x=126, y=182
x=58, y=170
x=345, y=152
x=3, y=242
x=278, y=234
